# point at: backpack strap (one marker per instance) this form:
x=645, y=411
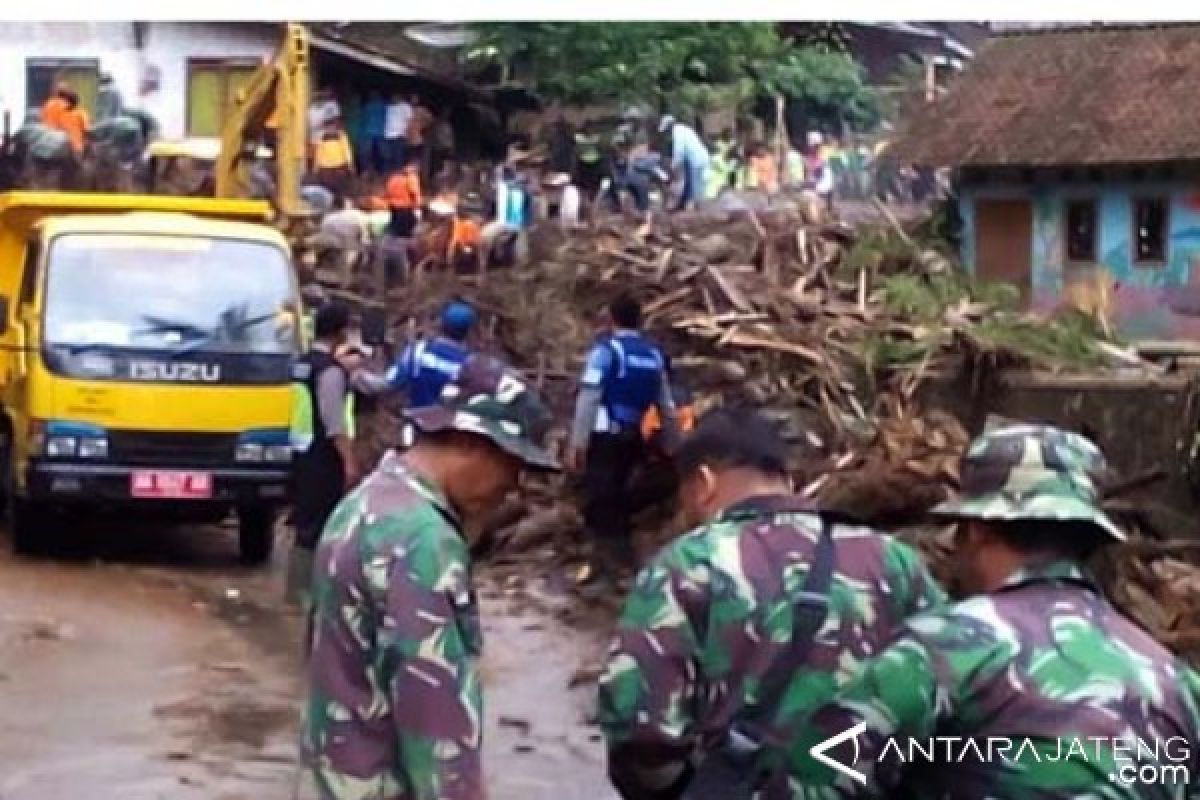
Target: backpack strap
x=809, y=613
x=811, y=605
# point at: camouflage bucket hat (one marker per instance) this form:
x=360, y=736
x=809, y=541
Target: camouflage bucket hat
x=490, y=400
x=1038, y=472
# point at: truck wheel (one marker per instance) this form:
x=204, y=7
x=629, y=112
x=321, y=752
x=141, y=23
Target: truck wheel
x=26, y=526
x=256, y=534
x=6, y=467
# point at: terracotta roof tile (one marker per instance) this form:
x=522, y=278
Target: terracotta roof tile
x=1070, y=97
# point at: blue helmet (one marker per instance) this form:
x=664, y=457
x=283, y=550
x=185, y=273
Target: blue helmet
x=457, y=319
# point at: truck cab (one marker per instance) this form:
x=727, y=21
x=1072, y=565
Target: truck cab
x=145, y=354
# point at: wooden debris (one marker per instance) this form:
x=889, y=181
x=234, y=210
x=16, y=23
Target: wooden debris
x=828, y=330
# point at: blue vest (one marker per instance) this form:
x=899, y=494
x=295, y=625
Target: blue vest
x=633, y=380
x=514, y=208
x=433, y=363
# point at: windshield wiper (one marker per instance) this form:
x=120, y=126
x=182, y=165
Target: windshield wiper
x=157, y=325
x=222, y=331
x=79, y=348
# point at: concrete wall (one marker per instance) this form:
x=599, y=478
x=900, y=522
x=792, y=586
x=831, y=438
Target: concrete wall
x=167, y=46
x=1147, y=300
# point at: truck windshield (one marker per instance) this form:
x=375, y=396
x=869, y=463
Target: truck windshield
x=183, y=294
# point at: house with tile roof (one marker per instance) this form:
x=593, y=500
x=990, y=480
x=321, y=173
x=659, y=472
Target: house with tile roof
x=1077, y=156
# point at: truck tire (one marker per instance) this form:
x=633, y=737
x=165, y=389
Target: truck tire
x=256, y=534
x=6, y=467
x=27, y=526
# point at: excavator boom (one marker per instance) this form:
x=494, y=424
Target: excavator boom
x=278, y=90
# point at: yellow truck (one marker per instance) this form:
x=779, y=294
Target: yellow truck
x=146, y=346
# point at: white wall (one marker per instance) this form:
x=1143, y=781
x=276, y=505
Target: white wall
x=167, y=45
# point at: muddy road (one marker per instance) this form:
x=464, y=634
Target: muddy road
x=141, y=661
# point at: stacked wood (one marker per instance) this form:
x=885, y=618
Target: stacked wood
x=829, y=331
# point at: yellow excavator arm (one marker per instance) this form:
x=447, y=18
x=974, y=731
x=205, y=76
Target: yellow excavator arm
x=279, y=89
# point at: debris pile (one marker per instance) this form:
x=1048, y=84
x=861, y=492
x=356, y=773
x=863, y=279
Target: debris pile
x=1158, y=584
x=828, y=330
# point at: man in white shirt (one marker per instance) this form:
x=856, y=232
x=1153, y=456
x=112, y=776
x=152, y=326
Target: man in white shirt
x=395, y=131
x=688, y=155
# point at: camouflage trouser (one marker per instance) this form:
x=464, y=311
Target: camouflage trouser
x=298, y=590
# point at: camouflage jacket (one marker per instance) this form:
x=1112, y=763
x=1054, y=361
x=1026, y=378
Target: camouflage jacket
x=395, y=708
x=705, y=619
x=1045, y=670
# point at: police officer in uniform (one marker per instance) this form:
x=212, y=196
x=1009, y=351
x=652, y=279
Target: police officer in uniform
x=325, y=466
x=427, y=365
x=624, y=376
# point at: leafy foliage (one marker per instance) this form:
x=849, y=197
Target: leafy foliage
x=627, y=61
x=1067, y=340
x=828, y=82
x=685, y=66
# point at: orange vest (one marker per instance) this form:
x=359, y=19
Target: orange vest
x=52, y=112
x=465, y=233
x=404, y=190
x=75, y=124
x=685, y=417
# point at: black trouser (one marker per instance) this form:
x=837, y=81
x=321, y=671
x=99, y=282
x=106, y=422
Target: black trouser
x=611, y=460
x=654, y=484
x=319, y=484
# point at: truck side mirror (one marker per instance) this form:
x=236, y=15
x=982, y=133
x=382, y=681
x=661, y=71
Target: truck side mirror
x=4, y=307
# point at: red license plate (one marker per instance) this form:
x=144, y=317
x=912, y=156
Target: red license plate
x=171, y=485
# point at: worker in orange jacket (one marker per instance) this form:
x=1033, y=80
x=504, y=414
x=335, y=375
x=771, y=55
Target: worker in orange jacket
x=55, y=106
x=403, y=192
x=75, y=123
x=465, y=251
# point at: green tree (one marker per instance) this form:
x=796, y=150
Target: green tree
x=828, y=83
x=684, y=66
x=656, y=62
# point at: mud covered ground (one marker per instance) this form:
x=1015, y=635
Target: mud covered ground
x=141, y=661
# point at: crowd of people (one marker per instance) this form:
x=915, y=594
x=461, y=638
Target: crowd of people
x=384, y=176
x=374, y=136
x=768, y=633
x=622, y=168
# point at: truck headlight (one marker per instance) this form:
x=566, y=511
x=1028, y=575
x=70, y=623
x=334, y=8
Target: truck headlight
x=93, y=447
x=249, y=451
x=61, y=446
x=278, y=453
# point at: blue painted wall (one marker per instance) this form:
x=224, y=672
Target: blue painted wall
x=1145, y=295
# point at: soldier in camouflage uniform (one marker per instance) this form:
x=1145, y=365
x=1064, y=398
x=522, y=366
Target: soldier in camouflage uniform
x=394, y=709
x=711, y=612
x=1039, y=656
